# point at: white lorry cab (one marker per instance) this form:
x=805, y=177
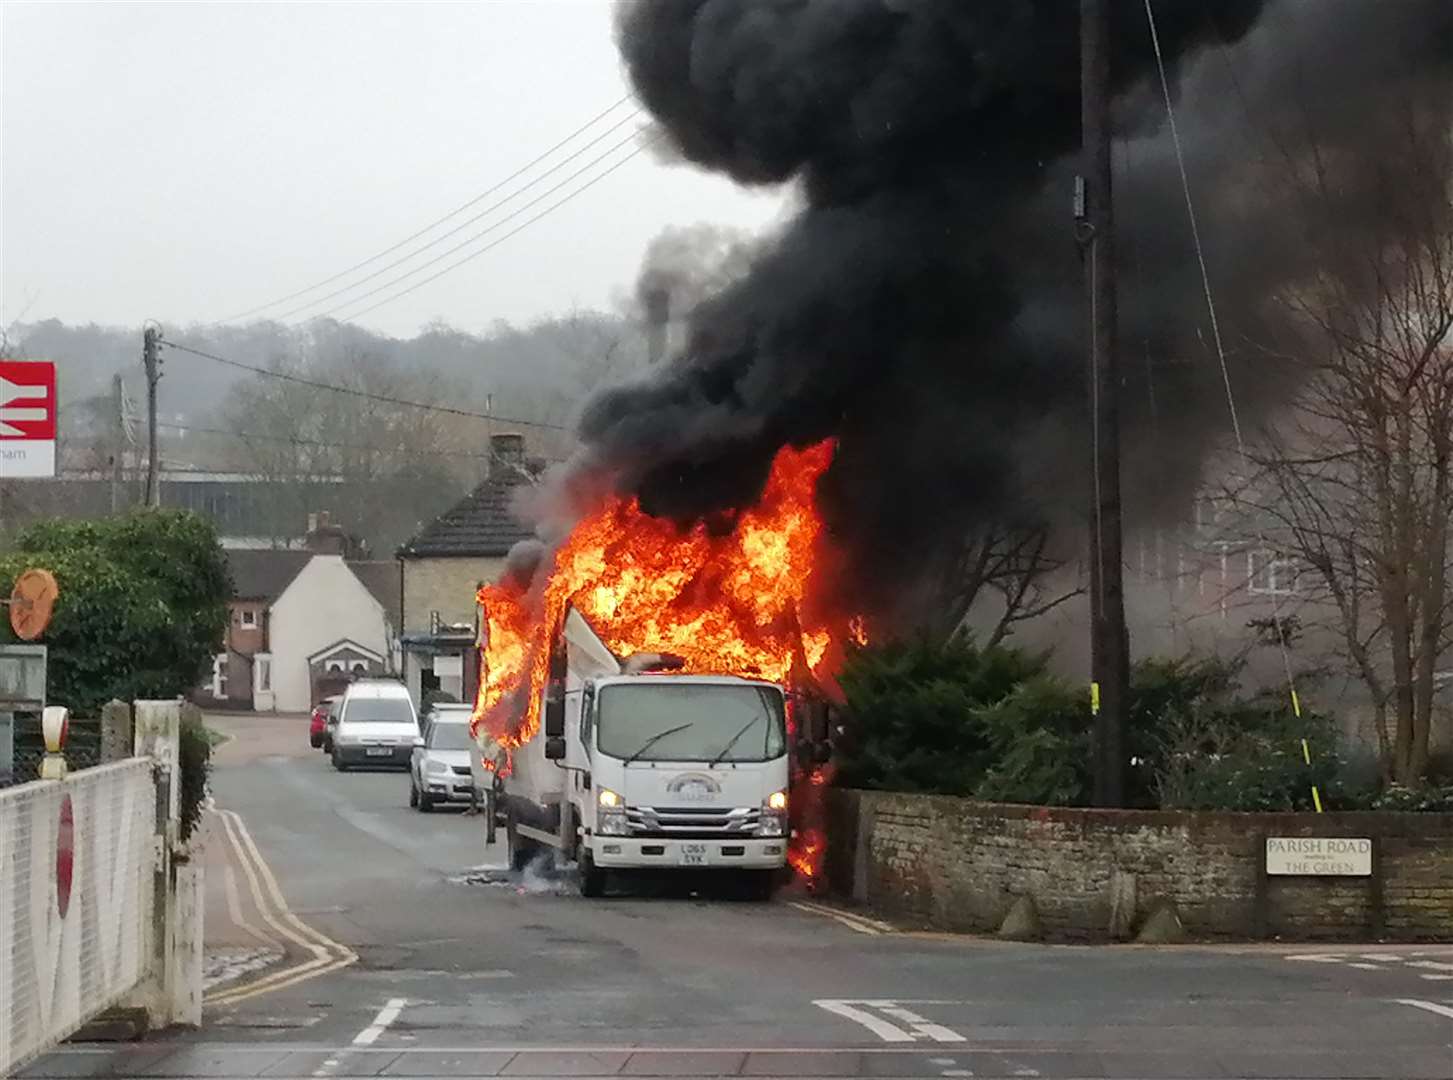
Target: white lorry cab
x=636, y=769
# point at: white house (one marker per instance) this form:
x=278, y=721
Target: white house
x=326, y=617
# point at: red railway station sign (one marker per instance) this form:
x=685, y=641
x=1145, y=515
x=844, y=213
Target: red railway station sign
x=27, y=419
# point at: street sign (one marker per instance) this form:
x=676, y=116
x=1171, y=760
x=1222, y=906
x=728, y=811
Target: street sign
x=1319, y=856
x=27, y=419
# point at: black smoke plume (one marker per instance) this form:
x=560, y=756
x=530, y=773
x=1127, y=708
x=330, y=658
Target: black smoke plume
x=925, y=305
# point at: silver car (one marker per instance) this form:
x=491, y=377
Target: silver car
x=440, y=769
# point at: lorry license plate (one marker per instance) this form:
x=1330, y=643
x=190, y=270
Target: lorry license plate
x=693, y=854
x=379, y=751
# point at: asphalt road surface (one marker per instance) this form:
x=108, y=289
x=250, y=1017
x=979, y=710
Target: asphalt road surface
x=348, y=938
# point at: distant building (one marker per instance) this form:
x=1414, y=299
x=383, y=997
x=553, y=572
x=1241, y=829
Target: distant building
x=302, y=623
x=443, y=567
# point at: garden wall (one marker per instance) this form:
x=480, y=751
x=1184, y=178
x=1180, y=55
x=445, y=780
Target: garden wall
x=956, y=864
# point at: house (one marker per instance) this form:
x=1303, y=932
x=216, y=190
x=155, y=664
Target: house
x=301, y=624
x=442, y=568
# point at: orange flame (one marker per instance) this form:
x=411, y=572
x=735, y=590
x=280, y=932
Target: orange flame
x=725, y=601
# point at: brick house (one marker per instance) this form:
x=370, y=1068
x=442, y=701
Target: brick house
x=442, y=568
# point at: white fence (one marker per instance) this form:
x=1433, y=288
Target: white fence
x=76, y=901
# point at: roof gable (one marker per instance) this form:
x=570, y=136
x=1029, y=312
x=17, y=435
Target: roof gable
x=383, y=580
x=265, y=574
x=481, y=524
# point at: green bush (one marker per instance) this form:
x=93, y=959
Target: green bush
x=142, y=607
x=1430, y=798
x=194, y=767
x=996, y=725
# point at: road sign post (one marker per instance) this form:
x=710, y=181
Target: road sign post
x=27, y=419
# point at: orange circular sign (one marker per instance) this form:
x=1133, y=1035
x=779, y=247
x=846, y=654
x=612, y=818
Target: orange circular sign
x=31, y=603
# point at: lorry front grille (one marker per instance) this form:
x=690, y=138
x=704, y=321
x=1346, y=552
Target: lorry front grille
x=692, y=823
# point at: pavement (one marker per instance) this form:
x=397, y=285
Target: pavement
x=349, y=936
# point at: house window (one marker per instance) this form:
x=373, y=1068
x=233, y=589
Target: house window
x=249, y=619
x=1270, y=574
x=335, y=665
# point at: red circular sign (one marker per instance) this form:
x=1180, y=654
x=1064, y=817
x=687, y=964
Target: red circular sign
x=65, y=856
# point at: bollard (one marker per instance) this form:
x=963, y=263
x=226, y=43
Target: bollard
x=55, y=725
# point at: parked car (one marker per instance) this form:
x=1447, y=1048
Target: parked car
x=318, y=723
x=439, y=771
x=376, y=725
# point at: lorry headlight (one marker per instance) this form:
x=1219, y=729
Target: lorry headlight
x=612, y=823
x=773, y=821
x=608, y=799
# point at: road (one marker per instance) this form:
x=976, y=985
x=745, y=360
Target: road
x=384, y=957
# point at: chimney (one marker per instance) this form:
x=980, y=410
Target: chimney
x=658, y=316
x=325, y=538
x=506, y=455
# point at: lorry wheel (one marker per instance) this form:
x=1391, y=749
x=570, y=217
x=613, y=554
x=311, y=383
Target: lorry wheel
x=518, y=850
x=592, y=877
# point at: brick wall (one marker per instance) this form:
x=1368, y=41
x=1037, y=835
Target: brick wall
x=959, y=865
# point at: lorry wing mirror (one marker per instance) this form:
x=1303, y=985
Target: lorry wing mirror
x=554, y=712
x=554, y=748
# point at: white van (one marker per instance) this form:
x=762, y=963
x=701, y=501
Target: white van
x=376, y=725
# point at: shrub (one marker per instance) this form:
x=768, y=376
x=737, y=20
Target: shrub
x=194, y=767
x=142, y=607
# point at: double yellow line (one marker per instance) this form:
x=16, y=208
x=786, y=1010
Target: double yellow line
x=326, y=954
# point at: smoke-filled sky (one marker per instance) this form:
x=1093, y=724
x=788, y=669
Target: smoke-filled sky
x=926, y=306
x=187, y=162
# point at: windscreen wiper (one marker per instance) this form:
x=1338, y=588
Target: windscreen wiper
x=654, y=739
x=727, y=749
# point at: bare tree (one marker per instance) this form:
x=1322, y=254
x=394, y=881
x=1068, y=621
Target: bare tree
x=1356, y=480
x=1006, y=574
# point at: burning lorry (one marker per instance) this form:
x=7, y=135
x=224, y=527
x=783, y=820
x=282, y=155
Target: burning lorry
x=640, y=766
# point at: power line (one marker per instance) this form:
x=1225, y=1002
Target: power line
x=485, y=232
x=463, y=224
x=353, y=392
x=513, y=232
x=323, y=444
x=433, y=224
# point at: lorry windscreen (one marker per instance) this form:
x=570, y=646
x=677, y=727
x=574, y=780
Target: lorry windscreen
x=726, y=723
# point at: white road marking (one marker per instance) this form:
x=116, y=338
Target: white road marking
x=1367, y=967
x=956, y=1072
x=386, y=1016
x=852, y=922
x=918, y=1028
x=942, y=1062
x=921, y=1025
x=1431, y=965
x=881, y=1028
x=1428, y=1006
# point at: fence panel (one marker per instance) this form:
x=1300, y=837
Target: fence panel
x=75, y=901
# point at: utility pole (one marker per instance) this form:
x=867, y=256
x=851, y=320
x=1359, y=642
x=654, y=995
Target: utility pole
x=1109, y=639
x=151, y=361
x=118, y=440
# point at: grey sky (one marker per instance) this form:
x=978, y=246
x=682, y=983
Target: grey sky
x=188, y=161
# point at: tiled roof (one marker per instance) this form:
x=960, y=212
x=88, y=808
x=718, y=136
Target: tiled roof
x=264, y=574
x=382, y=580
x=481, y=524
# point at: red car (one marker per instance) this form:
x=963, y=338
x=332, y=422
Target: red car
x=318, y=723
